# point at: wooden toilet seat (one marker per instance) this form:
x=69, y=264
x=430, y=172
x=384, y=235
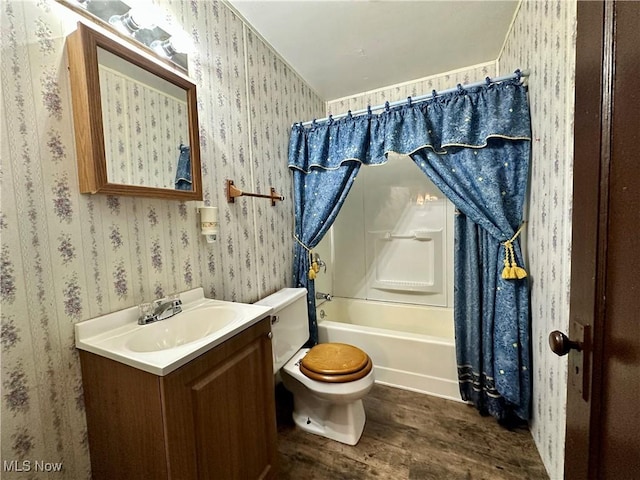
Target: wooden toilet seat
x=335, y=363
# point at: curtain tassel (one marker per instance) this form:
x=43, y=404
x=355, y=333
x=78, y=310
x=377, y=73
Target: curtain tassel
x=314, y=268
x=511, y=269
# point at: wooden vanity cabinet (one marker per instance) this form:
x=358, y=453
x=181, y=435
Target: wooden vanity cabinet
x=213, y=418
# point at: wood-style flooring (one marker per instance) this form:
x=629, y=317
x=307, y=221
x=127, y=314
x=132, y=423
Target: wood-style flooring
x=410, y=436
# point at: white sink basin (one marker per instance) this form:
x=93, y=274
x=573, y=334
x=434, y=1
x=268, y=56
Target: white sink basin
x=183, y=328
x=163, y=346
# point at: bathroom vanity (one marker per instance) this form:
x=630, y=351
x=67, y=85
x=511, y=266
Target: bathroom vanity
x=211, y=417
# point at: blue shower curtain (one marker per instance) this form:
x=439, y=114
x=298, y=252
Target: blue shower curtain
x=320, y=186
x=474, y=145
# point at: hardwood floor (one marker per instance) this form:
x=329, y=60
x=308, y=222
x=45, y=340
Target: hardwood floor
x=410, y=436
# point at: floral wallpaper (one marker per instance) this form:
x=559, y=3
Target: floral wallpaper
x=67, y=257
x=542, y=39
x=412, y=88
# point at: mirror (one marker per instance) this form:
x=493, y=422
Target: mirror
x=136, y=123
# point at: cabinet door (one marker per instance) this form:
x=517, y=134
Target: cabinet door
x=124, y=420
x=220, y=411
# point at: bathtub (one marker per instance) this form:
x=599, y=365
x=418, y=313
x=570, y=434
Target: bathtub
x=412, y=347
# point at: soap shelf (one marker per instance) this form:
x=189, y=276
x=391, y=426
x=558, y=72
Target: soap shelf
x=403, y=285
x=409, y=262
x=233, y=192
x=424, y=235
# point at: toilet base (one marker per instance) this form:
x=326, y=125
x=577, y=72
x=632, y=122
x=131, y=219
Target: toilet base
x=343, y=423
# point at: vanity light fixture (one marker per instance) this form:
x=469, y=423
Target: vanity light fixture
x=141, y=21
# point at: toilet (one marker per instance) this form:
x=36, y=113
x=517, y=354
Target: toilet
x=327, y=381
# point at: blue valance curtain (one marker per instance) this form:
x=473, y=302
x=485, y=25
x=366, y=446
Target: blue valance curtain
x=474, y=145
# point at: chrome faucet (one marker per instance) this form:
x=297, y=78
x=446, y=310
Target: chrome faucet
x=161, y=310
x=323, y=296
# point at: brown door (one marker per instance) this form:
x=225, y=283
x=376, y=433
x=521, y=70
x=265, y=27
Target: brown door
x=603, y=405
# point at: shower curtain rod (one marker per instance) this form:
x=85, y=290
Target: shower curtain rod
x=420, y=98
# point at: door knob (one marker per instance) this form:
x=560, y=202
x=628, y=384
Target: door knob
x=560, y=343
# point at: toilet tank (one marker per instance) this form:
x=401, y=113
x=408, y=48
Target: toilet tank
x=289, y=323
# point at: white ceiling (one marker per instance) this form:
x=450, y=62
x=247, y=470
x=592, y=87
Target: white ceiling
x=345, y=47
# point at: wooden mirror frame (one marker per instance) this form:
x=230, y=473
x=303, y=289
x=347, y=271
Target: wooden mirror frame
x=82, y=49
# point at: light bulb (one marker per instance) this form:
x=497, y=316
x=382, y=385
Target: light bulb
x=134, y=20
x=125, y=23
x=178, y=43
x=147, y=15
x=181, y=42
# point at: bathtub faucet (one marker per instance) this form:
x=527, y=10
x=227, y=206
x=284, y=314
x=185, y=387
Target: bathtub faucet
x=323, y=296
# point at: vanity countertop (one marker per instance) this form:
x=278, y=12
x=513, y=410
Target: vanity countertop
x=163, y=346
